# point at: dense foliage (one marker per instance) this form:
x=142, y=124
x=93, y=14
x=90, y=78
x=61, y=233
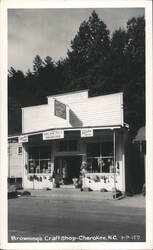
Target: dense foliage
x=102, y=63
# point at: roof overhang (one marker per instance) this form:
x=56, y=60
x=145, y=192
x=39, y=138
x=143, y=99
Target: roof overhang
x=66, y=129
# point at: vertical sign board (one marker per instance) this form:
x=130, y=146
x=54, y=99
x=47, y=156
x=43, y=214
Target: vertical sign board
x=60, y=109
x=53, y=134
x=23, y=138
x=86, y=132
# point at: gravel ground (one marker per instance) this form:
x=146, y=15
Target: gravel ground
x=134, y=201
x=71, y=213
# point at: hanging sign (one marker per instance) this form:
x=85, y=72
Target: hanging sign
x=53, y=135
x=60, y=109
x=23, y=138
x=86, y=132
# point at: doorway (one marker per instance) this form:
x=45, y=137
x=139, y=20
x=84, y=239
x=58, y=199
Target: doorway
x=67, y=168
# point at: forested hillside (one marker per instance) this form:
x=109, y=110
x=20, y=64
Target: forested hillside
x=101, y=62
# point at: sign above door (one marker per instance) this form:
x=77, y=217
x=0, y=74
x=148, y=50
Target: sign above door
x=53, y=134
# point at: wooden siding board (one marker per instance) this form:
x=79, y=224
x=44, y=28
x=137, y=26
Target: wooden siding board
x=15, y=160
x=70, y=97
x=99, y=111
x=93, y=111
x=41, y=118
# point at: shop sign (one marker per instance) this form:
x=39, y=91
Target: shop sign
x=60, y=109
x=87, y=132
x=53, y=135
x=23, y=138
x=13, y=140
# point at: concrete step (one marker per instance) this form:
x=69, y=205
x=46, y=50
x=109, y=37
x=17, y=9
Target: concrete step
x=67, y=186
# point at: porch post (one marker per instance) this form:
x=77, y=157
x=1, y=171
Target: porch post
x=114, y=152
x=124, y=139
x=9, y=160
x=25, y=164
x=52, y=158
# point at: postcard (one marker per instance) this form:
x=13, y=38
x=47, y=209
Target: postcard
x=76, y=124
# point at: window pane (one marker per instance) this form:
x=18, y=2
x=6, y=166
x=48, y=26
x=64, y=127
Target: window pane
x=107, y=148
x=45, y=152
x=31, y=167
x=38, y=159
x=43, y=166
x=33, y=153
x=106, y=166
x=93, y=149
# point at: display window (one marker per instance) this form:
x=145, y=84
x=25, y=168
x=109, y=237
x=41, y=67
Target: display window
x=39, y=160
x=100, y=157
x=19, y=150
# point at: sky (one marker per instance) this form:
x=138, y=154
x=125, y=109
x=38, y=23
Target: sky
x=48, y=32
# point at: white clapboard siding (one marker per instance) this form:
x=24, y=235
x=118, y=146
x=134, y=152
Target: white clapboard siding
x=40, y=118
x=98, y=111
x=71, y=97
x=93, y=111
x=15, y=160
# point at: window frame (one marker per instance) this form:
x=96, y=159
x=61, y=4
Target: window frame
x=18, y=150
x=104, y=158
x=38, y=159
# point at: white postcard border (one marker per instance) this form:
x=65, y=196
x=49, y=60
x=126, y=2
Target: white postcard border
x=4, y=5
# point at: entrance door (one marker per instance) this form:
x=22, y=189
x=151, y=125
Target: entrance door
x=67, y=168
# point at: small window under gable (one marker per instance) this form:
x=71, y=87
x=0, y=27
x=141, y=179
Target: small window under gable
x=19, y=150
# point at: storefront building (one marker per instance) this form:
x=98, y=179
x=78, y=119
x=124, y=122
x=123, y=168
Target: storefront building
x=74, y=135
x=15, y=161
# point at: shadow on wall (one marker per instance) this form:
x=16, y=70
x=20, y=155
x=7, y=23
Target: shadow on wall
x=74, y=120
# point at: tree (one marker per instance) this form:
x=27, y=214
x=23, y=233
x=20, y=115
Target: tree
x=48, y=62
x=89, y=53
x=96, y=62
x=127, y=60
x=135, y=63
x=16, y=81
x=37, y=64
x=14, y=116
x=117, y=60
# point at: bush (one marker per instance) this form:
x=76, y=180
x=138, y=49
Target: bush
x=103, y=190
x=12, y=195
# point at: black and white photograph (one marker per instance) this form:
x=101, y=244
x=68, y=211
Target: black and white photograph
x=77, y=121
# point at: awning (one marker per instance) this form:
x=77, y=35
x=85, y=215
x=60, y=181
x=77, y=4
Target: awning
x=141, y=135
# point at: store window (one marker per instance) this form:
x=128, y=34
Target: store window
x=93, y=149
x=19, y=150
x=100, y=157
x=70, y=145
x=39, y=160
